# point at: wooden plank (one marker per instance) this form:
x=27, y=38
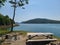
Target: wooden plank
x=42, y=40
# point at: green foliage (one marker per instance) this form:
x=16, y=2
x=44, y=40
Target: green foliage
x=5, y=20
x=18, y=3
x=2, y=2
x=4, y=32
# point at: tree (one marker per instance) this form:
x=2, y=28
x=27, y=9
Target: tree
x=15, y=4
x=5, y=20
x=2, y=2
x=1, y=19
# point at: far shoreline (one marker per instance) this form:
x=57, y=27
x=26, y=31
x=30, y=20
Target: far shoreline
x=39, y=23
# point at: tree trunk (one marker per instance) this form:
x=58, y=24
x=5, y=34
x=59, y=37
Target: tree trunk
x=13, y=18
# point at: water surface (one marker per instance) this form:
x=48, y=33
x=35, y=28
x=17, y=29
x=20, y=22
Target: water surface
x=53, y=28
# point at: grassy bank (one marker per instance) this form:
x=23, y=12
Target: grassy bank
x=8, y=31
x=4, y=28
x=4, y=32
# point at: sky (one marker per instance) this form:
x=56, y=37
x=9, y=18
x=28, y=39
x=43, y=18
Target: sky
x=49, y=9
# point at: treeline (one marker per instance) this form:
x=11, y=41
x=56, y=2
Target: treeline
x=5, y=20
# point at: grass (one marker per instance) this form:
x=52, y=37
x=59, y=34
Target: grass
x=21, y=32
x=57, y=38
x=4, y=32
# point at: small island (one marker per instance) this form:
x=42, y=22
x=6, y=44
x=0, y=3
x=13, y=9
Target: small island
x=41, y=21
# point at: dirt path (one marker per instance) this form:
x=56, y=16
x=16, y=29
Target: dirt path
x=20, y=41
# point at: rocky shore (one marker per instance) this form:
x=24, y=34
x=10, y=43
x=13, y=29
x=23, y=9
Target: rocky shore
x=18, y=38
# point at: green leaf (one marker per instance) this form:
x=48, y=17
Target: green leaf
x=20, y=4
x=12, y=2
x=2, y=2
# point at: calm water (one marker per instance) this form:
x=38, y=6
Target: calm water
x=53, y=28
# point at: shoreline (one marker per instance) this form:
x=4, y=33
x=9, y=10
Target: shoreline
x=22, y=35
x=7, y=26
x=21, y=40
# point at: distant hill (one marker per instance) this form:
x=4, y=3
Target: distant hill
x=40, y=20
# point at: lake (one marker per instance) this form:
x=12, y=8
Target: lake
x=53, y=28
